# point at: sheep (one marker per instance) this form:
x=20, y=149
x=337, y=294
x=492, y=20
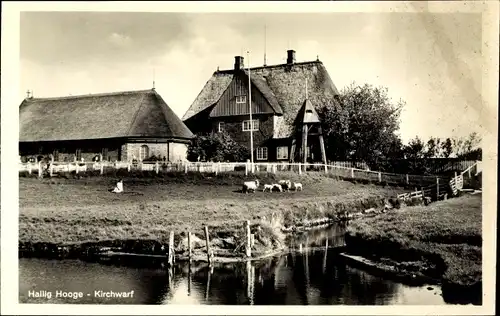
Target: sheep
x=250, y=186
x=267, y=187
x=285, y=184
x=278, y=187
x=297, y=186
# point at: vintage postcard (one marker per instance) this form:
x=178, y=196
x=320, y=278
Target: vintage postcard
x=249, y=157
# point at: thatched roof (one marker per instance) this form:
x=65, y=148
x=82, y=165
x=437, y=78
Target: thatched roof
x=282, y=85
x=121, y=114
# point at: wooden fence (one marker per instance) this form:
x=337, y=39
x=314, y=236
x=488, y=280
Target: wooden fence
x=101, y=168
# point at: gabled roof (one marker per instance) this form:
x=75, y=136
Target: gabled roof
x=122, y=114
x=261, y=83
x=283, y=85
x=307, y=114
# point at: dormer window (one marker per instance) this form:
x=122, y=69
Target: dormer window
x=241, y=99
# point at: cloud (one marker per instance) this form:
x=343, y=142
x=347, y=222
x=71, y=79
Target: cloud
x=120, y=39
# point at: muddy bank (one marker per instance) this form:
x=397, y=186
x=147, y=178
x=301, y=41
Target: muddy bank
x=227, y=243
x=410, y=265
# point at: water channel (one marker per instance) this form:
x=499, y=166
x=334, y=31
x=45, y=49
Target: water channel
x=311, y=275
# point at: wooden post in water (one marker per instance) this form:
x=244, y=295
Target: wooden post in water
x=189, y=278
x=171, y=249
x=249, y=242
x=209, y=272
x=189, y=246
x=207, y=240
x=324, y=259
x=437, y=188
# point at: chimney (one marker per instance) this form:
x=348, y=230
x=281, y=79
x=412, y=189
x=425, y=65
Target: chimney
x=238, y=63
x=291, y=56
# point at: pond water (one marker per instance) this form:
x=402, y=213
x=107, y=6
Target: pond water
x=314, y=275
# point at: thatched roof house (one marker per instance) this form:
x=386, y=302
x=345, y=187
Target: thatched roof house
x=278, y=95
x=120, y=126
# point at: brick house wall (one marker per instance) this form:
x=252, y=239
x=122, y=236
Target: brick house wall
x=171, y=151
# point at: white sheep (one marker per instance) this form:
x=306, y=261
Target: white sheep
x=285, y=184
x=297, y=186
x=278, y=187
x=267, y=187
x=250, y=186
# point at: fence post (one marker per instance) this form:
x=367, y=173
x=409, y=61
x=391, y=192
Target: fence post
x=437, y=187
x=157, y=167
x=171, y=249
x=189, y=245
x=29, y=167
x=407, y=179
x=40, y=173
x=76, y=167
x=185, y=167
x=51, y=170
x=300, y=169
x=380, y=177
x=274, y=168
x=326, y=168
x=352, y=173
x=207, y=241
x=218, y=168
x=102, y=168
x=128, y=166
x=249, y=240
x=246, y=169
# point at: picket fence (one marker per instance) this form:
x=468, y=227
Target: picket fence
x=247, y=168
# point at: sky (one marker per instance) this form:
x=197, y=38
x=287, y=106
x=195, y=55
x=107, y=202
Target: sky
x=432, y=61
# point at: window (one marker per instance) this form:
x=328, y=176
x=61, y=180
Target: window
x=262, y=153
x=143, y=152
x=282, y=152
x=221, y=126
x=104, y=154
x=246, y=125
x=241, y=99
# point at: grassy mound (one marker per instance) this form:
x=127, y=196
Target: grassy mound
x=446, y=235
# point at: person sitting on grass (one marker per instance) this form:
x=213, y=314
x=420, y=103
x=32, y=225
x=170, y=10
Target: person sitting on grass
x=119, y=187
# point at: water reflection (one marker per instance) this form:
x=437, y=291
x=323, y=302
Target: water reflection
x=314, y=276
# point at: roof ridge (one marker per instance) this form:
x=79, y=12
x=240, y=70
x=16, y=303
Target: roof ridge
x=90, y=95
x=273, y=66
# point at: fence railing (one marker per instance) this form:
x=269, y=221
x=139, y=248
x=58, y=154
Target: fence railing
x=54, y=168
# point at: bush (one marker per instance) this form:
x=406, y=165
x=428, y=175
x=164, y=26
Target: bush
x=216, y=147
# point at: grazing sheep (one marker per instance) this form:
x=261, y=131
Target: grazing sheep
x=285, y=184
x=297, y=186
x=267, y=187
x=278, y=187
x=250, y=186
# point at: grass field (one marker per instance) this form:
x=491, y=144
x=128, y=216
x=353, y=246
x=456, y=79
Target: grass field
x=70, y=210
x=448, y=231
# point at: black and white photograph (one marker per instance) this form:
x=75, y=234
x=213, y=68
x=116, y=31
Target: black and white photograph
x=315, y=154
